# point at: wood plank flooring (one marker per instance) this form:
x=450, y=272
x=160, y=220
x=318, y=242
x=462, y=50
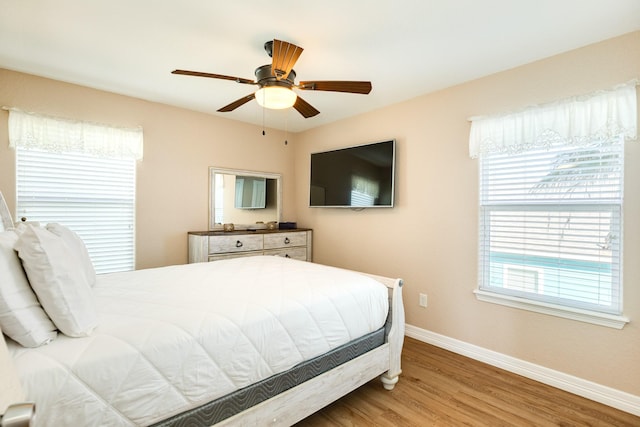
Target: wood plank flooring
x=441, y=388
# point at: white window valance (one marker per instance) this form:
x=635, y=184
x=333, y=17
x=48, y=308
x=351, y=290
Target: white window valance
x=30, y=130
x=576, y=121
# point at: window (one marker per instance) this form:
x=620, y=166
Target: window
x=364, y=191
x=92, y=196
x=219, y=198
x=551, y=225
x=551, y=195
x=523, y=278
x=81, y=175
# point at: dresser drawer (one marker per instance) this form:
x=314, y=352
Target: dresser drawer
x=233, y=255
x=284, y=240
x=299, y=252
x=235, y=243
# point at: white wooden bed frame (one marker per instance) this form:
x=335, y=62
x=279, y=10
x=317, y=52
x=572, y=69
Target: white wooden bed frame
x=303, y=400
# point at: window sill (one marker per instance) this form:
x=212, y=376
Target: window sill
x=601, y=319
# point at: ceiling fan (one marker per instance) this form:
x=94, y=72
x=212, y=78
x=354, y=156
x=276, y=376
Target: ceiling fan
x=277, y=80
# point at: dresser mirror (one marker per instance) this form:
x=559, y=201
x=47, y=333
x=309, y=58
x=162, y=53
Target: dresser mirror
x=246, y=199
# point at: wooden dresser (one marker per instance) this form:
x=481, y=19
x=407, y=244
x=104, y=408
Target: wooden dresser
x=216, y=245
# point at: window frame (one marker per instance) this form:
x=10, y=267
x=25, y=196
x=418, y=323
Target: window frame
x=518, y=300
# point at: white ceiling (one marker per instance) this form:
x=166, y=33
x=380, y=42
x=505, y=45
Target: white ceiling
x=406, y=48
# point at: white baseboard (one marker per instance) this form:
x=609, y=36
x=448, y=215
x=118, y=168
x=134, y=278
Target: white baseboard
x=609, y=396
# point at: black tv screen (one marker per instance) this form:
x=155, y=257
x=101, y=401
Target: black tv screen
x=354, y=177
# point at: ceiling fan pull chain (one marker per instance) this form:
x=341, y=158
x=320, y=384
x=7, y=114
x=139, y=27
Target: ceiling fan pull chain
x=263, y=132
x=286, y=127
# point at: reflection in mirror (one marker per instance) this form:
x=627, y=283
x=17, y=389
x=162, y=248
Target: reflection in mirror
x=246, y=199
x=251, y=192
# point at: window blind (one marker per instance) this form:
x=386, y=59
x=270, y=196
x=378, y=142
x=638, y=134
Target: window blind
x=551, y=225
x=95, y=197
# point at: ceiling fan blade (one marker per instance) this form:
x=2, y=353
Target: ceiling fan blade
x=213, y=76
x=304, y=108
x=284, y=56
x=337, y=86
x=236, y=104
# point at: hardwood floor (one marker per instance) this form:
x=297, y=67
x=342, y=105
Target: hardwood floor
x=441, y=388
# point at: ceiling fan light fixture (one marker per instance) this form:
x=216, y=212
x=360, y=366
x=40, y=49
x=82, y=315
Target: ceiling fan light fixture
x=275, y=97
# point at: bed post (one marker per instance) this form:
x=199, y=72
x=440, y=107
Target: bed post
x=395, y=337
x=6, y=220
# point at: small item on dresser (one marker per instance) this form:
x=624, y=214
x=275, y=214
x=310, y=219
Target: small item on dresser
x=272, y=225
x=288, y=225
x=228, y=226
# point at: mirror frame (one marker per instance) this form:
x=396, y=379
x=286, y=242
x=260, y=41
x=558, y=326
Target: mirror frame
x=239, y=172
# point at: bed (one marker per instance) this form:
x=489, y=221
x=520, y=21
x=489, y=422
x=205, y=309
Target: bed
x=248, y=341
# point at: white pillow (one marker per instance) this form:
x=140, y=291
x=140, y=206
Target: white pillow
x=76, y=245
x=21, y=316
x=58, y=281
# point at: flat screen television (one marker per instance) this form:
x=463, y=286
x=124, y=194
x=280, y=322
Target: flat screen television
x=361, y=176
x=251, y=192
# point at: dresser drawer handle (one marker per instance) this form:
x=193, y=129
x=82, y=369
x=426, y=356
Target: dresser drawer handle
x=238, y=244
x=286, y=241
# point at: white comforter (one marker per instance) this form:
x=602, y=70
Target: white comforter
x=173, y=338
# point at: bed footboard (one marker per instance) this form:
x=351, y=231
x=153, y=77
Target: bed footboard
x=395, y=332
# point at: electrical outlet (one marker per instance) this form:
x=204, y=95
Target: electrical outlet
x=423, y=300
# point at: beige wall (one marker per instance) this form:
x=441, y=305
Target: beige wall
x=179, y=146
x=430, y=237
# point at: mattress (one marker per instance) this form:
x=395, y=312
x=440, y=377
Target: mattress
x=174, y=338
x=231, y=404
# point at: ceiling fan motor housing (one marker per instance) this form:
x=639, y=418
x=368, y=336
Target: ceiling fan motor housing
x=264, y=77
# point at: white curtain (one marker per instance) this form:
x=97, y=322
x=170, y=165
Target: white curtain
x=29, y=130
x=575, y=121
